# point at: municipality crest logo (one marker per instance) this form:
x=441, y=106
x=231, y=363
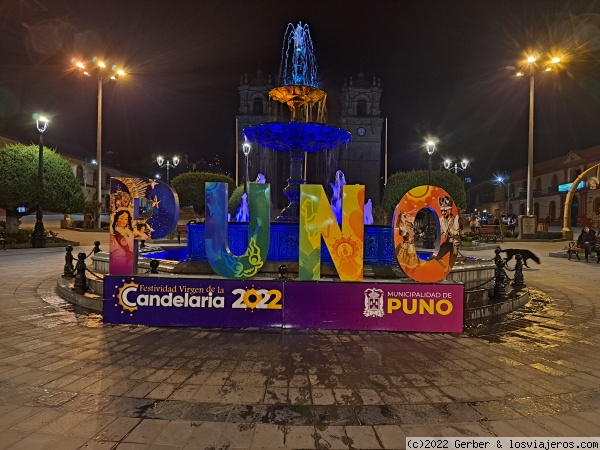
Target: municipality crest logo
x=373, y=303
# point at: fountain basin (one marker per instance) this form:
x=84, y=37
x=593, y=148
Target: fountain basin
x=284, y=243
x=304, y=137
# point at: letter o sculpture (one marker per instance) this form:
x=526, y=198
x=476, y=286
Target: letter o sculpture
x=435, y=199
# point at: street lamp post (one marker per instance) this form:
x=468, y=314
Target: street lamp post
x=430, y=146
x=429, y=236
x=103, y=74
x=169, y=164
x=448, y=165
x=246, y=148
x=532, y=67
x=38, y=238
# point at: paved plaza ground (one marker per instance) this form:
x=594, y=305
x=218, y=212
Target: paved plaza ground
x=67, y=381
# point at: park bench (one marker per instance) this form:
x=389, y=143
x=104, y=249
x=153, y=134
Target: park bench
x=3, y=240
x=181, y=231
x=573, y=249
x=491, y=233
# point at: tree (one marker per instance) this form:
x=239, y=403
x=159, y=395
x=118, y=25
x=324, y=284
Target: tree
x=19, y=185
x=190, y=188
x=402, y=182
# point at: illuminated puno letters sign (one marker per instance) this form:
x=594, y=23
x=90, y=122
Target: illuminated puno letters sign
x=345, y=244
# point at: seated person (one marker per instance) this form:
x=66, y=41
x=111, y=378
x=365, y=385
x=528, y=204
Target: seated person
x=587, y=241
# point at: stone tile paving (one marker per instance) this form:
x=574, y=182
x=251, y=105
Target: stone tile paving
x=68, y=381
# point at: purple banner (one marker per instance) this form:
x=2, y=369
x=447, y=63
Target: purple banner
x=293, y=304
x=374, y=306
x=192, y=302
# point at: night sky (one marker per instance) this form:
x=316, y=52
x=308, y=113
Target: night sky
x=441, y=65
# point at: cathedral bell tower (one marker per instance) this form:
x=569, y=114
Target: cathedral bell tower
x=361, y=117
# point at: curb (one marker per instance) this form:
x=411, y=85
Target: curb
x=88, y=301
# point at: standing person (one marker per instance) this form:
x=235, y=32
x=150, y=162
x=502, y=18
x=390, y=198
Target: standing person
x=473, y=224
x=450, y=232
x=477, y=224
x=512, y=223
x=587, y=241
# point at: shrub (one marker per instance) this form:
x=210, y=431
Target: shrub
x=235, y=200
x=190, y=188
x=402, y=182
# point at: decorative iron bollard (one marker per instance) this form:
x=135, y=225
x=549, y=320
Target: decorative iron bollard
x=69, y=270
x=96, y=247
x=518, y=280
x=154, y=266
x=497, y=257
x=80, y=286
x=282, y=272
x=500, y=280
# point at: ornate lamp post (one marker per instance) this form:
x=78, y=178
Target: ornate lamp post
x=532, y=68
x=448, y=165
x=38, y=238
x=429, y=237
x=430, y=146
x=169, y=164
x=103, y=74
x=246, y=148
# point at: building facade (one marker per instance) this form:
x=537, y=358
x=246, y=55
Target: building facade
x=552, y=179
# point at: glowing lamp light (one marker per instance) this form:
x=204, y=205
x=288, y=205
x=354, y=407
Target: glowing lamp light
x=531, y=59
x=175, y=160
x=80, y=65
x=246, y=148
x=101, y=64
x=430, y=147
x=42, y=123
x=160, y=160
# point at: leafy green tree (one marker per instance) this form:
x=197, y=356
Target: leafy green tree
x=402, y=182
x=190, y=188
x=19, y=185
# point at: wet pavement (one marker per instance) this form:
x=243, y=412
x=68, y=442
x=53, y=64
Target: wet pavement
x=68, y=381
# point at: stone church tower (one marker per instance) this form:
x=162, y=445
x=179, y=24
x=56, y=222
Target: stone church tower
x=361, y=116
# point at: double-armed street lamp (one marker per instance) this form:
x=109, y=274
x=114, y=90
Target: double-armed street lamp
x=531, y=68
x=38, y=238
x=169, y=164
x=454, y=166
x=103, y=73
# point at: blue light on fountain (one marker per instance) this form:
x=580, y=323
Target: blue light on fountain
x=336, y=198
x=306, y=131
x=243, y=212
